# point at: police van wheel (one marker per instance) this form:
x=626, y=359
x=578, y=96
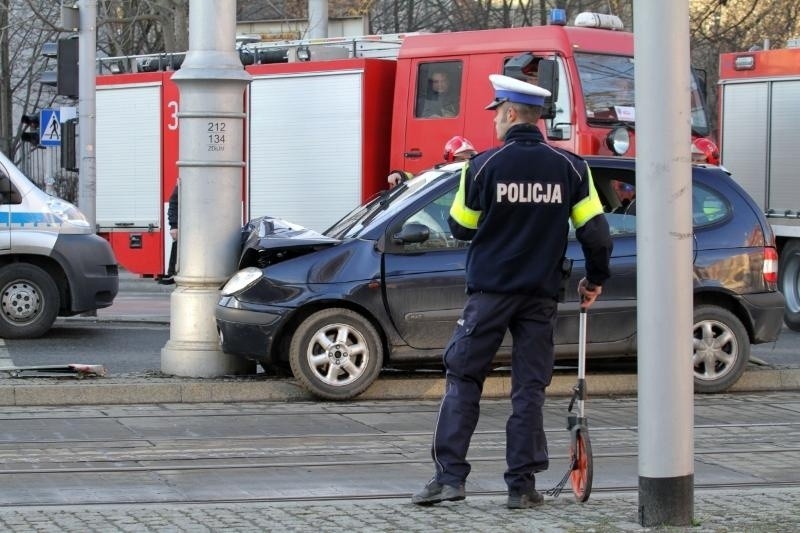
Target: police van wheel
x=29, y=301
x=721, y=349
x=336, y=354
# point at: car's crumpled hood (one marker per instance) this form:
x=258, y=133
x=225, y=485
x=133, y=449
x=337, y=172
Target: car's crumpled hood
x=268, y=240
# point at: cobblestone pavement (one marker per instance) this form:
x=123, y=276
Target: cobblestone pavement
x=749, y=510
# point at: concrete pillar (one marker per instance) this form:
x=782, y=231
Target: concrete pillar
x=317, y=19
x=664, y=257
x=211, y=122
x=87, y=110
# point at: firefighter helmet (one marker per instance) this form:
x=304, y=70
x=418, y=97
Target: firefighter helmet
x=705, y=151
x=455, y=147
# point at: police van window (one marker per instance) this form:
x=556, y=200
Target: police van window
x=8, y=193
x=708, y=207
x=438, y=89
x=434, y=216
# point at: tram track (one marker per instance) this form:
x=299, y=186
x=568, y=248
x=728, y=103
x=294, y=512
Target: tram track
x=233, y=459
x=302, y=453
x=375, y=435
x=322, y=499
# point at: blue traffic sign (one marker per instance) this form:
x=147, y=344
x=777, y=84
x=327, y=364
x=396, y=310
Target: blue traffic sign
x=49, y=128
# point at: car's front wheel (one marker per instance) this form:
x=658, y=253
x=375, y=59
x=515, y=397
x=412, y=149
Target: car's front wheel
x=29, y=301
x=721, y=349
x=336, y=354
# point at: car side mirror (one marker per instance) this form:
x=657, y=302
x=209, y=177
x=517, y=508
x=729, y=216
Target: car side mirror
x=413, y=232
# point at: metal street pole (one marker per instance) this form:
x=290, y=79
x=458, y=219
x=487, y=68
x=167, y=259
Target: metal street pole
x=87, y=53
x=664, y=255
x=317, y=19
x=211, y=150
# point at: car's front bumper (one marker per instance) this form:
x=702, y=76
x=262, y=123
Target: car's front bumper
x=766, y=314
x=248, y=332
x=91, y=270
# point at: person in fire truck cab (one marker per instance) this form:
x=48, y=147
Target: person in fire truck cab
x=458, y=148
x=514, y=203
x=439, y=100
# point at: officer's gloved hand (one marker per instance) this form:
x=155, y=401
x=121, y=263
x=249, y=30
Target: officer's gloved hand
x=588, y=292
x=395, y=178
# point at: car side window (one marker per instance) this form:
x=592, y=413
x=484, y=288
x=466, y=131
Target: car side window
x=434, y=215
x=621, y=207
x=708, y=206
x=618, y=196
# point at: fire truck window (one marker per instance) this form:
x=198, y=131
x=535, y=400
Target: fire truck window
x=607, y=83
x=438, y=90
x=699, y=118
x=562, y=120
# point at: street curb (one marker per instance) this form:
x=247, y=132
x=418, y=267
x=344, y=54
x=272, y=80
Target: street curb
x=155, y=390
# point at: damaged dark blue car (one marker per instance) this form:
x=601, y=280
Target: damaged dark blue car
x=384, y=286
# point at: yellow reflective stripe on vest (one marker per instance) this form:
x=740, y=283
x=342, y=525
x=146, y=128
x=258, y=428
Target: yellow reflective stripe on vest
x=459, y=211
x=587, y=208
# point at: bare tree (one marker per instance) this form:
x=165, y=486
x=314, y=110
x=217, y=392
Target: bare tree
x=22, y=64
x=135, y=27
x=395, y=16
x=5, y=81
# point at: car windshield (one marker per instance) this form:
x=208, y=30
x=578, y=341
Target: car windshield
x=353, y=223
x=608, y=88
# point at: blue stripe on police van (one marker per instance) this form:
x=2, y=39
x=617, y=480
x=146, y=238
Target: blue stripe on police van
x=23, y=219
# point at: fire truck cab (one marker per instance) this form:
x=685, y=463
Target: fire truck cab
x=587, y=67
x=759, y=99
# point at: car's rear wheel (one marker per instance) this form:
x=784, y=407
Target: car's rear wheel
x=789, y=283
x=721, y=349
x=29, y=301
x=336, y=354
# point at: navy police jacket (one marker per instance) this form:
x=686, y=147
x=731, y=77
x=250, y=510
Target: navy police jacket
x=515, y=202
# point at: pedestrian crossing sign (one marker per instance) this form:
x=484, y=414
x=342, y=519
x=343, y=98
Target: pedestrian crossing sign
x=49, y=128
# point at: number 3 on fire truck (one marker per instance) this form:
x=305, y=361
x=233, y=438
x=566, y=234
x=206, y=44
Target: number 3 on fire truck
x=173, y=106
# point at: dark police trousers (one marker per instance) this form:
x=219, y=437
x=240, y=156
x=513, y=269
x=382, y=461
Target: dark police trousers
x=467, y=359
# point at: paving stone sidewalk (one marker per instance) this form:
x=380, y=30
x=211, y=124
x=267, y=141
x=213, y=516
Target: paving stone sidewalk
x=741, y=510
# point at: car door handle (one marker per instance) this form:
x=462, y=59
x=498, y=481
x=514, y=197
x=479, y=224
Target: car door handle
x=414, y=153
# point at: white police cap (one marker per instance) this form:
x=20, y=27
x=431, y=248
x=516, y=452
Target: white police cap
x=507, y=89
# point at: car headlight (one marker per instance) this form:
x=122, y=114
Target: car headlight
x=618, y=140
x=68, y=213
x=242, y=280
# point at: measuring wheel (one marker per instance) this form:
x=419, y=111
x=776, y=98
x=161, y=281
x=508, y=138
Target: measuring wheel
x=580, y=470
x=581, y=475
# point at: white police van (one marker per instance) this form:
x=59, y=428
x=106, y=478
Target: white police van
x=51, y=261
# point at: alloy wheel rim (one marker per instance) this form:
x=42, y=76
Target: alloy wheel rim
x=337, y=354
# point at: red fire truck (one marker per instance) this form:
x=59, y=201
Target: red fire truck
x=330, y=118
x=759, y=110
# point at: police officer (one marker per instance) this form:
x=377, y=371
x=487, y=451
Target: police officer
x=514, y=203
